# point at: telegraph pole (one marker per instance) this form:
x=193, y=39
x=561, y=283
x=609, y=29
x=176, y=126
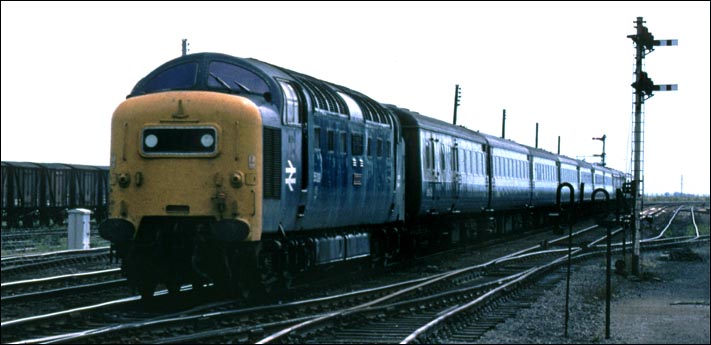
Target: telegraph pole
x=644, y=88
x=503, y=126
x=457, y=97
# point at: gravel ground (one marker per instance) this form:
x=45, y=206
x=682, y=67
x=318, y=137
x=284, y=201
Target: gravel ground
x=670, y=305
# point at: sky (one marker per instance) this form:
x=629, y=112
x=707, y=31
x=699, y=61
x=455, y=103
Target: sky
x=566, y=66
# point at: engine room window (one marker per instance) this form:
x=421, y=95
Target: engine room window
x=357, y=144
x=317, y=138
x=331, y=141
x=342, y=143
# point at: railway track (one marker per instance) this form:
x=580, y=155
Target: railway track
x=30, y=266
x=51, y=294
x=228, y=310
x=235, y=322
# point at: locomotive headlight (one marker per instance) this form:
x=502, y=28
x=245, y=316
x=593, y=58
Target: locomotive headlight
x=180, y=141
x=151, y=140
x=207, y=140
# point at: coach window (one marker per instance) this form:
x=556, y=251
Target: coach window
x=521, y=173
x=379, y=148
x=426, y=154
x=291, y=103
x=465, y=166
x=475, y=163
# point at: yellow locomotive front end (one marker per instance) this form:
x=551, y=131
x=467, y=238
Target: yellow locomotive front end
x=185, y=186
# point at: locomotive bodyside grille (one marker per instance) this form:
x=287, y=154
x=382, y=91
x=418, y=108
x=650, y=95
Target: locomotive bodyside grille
x=272, y=163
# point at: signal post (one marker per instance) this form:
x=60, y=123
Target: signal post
x=644, y=88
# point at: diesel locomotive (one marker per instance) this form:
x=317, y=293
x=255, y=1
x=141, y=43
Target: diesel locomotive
x=240, y=173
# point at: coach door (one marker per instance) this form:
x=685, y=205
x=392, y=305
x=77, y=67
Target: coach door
x=456, y=174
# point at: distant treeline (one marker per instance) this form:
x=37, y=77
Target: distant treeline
x=677, y=197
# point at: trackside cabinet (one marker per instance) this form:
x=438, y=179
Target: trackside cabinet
x=78, y=228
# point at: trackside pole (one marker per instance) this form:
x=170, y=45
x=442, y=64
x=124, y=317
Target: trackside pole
x=570, y=244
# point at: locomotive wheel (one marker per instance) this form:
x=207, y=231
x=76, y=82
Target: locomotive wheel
x=287, y=280
x=146, y=290
x=173, y=288
x=198, y=284
x=244, y=291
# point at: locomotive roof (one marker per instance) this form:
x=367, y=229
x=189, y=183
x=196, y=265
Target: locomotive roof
x=322, y=95
x=200, y=59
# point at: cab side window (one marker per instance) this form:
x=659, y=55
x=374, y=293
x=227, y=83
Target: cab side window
x=291, y=103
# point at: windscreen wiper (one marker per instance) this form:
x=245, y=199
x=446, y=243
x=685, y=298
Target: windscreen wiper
x=219, y=80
